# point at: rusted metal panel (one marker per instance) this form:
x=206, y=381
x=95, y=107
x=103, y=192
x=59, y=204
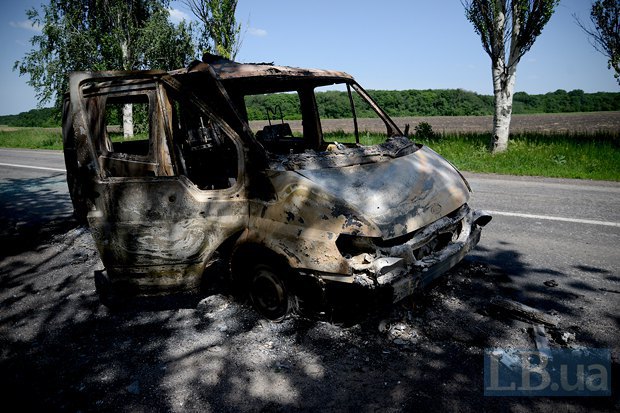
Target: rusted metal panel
x=229, y=70
x=162, y=224
x=304, y=222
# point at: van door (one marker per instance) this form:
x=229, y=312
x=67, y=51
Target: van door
x=161, y=203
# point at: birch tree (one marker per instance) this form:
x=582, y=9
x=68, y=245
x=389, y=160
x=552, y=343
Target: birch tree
x=101, y=35
x=507, y=29
x=220, y=32
x=605, y=35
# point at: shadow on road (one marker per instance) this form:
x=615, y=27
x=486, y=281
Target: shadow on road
x=32, y=210
x=62, y=349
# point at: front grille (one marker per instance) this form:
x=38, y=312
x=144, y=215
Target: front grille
x=437, y=227
x=439, y=242
x=417, y=244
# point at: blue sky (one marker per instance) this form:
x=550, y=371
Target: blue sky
x=394, y=44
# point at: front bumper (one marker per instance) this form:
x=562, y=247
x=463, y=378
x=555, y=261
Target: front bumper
x=402, y=269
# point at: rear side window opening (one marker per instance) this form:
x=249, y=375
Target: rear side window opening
x=123, y=128
x=128, y=125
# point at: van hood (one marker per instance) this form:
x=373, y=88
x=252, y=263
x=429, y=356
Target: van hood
x=399, y=195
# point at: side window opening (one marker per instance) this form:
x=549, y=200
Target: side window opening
x=127, y=125
x=171, y=134
x=315, y=118
x=123, y=128
x=204, y=153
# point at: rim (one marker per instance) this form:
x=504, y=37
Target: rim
x=268, y=293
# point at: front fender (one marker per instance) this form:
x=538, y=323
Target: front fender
x=303, y=223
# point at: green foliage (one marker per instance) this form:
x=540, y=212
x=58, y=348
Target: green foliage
x=220, y=33
x=43, y=118
x=259, y=105
x=605, y=36
x=335, y=105
x=163, y=45
x=455, y=102
x=438, y=102
x=424, y=130
x=100, y=35
x=508, y=26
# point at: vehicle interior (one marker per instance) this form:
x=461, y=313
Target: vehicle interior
x=204, y=153
x=285, y=114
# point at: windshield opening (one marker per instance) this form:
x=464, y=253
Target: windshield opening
x=347, y=118
x=317, y=118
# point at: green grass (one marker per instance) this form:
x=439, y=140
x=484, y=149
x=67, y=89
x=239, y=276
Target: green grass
x=584, y=156
x=44, y=138
x=366, y=138
x=31, y=138
x=118, y=137
x=593, y=156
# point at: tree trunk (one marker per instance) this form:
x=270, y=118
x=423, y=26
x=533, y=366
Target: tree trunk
x=127, y=121
x=128, y=107
x=503, y=87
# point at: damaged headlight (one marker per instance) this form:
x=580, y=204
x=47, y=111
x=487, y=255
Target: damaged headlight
x=351, y=245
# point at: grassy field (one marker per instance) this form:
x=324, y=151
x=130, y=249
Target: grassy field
x=594, y=156
x=583, y=155
x=30, y=138
x=42, y=138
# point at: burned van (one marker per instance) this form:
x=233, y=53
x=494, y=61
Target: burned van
x=291, y=208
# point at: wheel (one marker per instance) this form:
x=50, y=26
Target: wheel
x=269, y=293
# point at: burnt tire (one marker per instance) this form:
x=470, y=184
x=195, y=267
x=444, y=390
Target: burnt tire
x=269, y=292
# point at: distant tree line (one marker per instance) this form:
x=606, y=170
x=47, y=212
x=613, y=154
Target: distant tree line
x=40, y=118
x=397, y=103
x=435, y=102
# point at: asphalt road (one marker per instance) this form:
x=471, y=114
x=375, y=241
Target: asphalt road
x=552, y=244
x=33, y=189
x=551, y=226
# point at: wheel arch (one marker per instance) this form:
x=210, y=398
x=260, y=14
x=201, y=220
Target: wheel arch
x=247, y=254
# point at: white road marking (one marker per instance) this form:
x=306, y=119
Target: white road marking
x=552, y=218
x=43, y=168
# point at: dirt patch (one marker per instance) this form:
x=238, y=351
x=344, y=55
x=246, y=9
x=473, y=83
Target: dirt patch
x=62, y=349
x=584, y=122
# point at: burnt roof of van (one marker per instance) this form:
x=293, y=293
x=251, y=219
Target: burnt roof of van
x=227, y=70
